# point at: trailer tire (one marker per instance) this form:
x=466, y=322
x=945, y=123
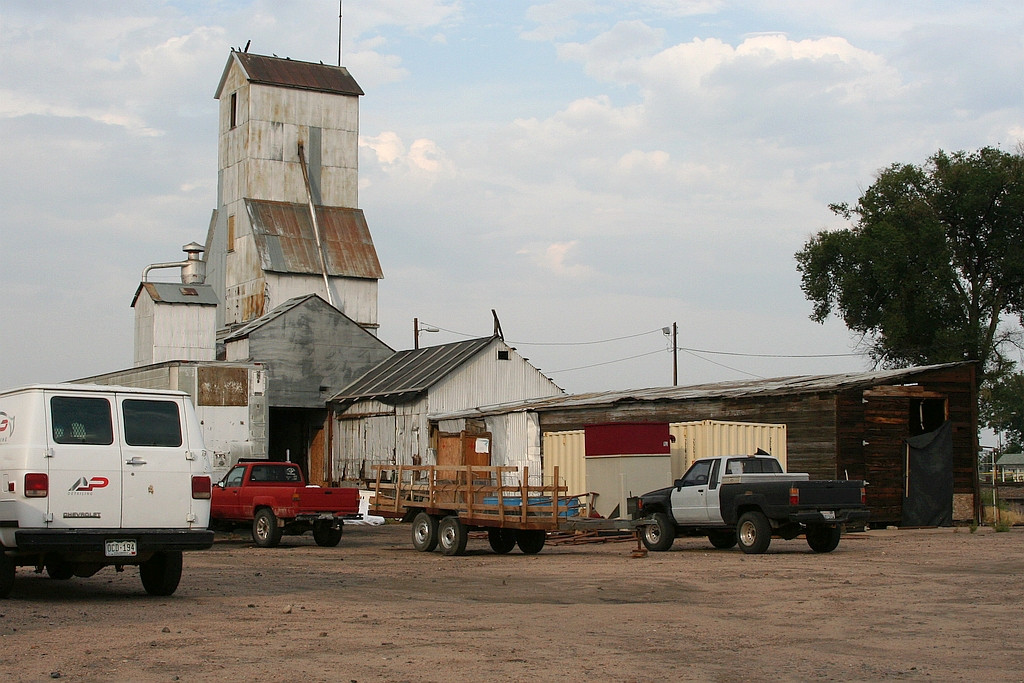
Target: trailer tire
x=326, y=533
x=6, y=574
x=753, y=532
x=265, y=531
x=723, y=540
x=661, y=534
x=161, y=573
x=502, y=540
x=452, y=535
x=424, y=532
x=531, y=541
x=823, y=538
x=60, y=570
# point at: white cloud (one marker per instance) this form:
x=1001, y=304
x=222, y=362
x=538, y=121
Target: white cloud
x=554, y=258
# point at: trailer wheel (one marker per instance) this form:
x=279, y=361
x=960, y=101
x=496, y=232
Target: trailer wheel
x=60, y=570
x=531, y=541
x=424, y=532
x=6, y=574
x=452, y=535
x=753, y=532
x=723, y=540
x=502, y=540
x=661, y=534
x=265, y=531
x=327, y=533
x=823, y=538
x=161, y=573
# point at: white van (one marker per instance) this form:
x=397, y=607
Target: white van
x=96, y=476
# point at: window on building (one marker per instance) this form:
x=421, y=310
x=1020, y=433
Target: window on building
x=231, y=233
x=234, y=109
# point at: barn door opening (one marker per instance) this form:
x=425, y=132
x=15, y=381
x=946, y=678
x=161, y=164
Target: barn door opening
x=928, y=488
x=296, y=434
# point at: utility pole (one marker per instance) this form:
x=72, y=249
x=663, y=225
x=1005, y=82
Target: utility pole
x=675, y=355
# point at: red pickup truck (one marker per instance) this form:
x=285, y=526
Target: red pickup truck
x=274, y=499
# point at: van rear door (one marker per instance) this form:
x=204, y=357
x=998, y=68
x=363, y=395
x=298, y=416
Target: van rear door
x=83, y=461
x=156, y=484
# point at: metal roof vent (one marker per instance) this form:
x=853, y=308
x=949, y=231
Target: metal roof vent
x=193, y=268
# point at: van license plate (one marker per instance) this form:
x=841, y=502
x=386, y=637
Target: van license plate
x=828, y=515
x=121, y=549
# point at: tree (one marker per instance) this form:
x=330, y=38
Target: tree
x=932, y=268
x=1002, y=409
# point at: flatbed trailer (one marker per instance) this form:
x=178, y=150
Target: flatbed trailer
x=446, y=502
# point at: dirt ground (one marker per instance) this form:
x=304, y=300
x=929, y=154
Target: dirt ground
x=938, y=604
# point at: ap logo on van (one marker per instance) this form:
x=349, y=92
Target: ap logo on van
x=84, y=485
x=6, y=427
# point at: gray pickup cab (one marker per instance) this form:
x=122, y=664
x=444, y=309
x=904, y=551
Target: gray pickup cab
x=747, y=500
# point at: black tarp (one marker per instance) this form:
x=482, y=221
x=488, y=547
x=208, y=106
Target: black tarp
x=928, y=496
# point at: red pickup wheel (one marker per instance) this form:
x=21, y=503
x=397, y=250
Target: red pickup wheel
x=327, y=533
x=265, y=531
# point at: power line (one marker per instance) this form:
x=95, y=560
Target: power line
x=609, y=362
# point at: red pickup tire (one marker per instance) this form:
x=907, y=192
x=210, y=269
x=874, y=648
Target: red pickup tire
x=265, y=531
x=327, y=534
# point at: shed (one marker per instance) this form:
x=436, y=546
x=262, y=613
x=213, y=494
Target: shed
x=912, y=433
x=384, y=417
x=310, y=350
x=174, y=321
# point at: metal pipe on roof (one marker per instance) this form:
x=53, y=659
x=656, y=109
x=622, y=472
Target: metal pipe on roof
x=316, y=226
x=193, y=269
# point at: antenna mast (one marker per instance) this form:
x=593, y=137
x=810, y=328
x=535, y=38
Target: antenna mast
x=339, y=31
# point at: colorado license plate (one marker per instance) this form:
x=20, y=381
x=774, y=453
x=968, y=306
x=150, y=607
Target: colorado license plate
x=828, y=515
x=121, y=549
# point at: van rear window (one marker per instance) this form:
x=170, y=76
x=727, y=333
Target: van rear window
x=151, y=423
x=79, y=420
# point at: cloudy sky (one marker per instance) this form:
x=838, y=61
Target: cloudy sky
x=593, y=170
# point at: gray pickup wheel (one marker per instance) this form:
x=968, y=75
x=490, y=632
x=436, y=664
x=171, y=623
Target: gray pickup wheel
x=265, y=531
x=660, y=534
x=161, y=573
x=452, y=535
x=823, y=538
x=723, y=540
x=754, y=532
x=424, y=532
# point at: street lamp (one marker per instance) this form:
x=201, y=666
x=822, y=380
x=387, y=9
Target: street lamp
x=417, y=328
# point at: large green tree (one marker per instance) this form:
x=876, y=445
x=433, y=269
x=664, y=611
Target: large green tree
x=931, y=268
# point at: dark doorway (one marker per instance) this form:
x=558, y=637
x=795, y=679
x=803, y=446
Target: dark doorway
x=292, y=432
x=926, y=415
x=928, y=492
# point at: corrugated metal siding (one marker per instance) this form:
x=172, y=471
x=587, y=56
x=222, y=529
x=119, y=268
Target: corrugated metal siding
x=566, y=451
x=485, y=380
x=694, y=440
x=291, y=73
x=708, y=438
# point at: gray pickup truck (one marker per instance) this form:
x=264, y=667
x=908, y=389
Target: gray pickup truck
x=747, y=500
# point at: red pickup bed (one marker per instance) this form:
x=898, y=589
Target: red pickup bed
x=274, y=499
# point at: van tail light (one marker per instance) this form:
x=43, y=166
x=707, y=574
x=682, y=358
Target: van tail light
x=37, y=485
x=201, y=486
x=794, y=495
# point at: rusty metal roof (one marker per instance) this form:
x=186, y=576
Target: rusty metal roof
x=741, y=389
x=177, y=293
x=286, y=243
x=291, y=73
x=409, y=373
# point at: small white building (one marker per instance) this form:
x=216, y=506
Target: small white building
x=388, y=415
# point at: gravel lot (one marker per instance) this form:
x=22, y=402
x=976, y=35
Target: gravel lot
x=936, y=604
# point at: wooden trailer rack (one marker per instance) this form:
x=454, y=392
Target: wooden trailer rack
x=446, y=502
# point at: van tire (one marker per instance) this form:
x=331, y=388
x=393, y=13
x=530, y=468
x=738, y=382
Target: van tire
x=265, y=531
x=6, y=574
x=161, y=573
